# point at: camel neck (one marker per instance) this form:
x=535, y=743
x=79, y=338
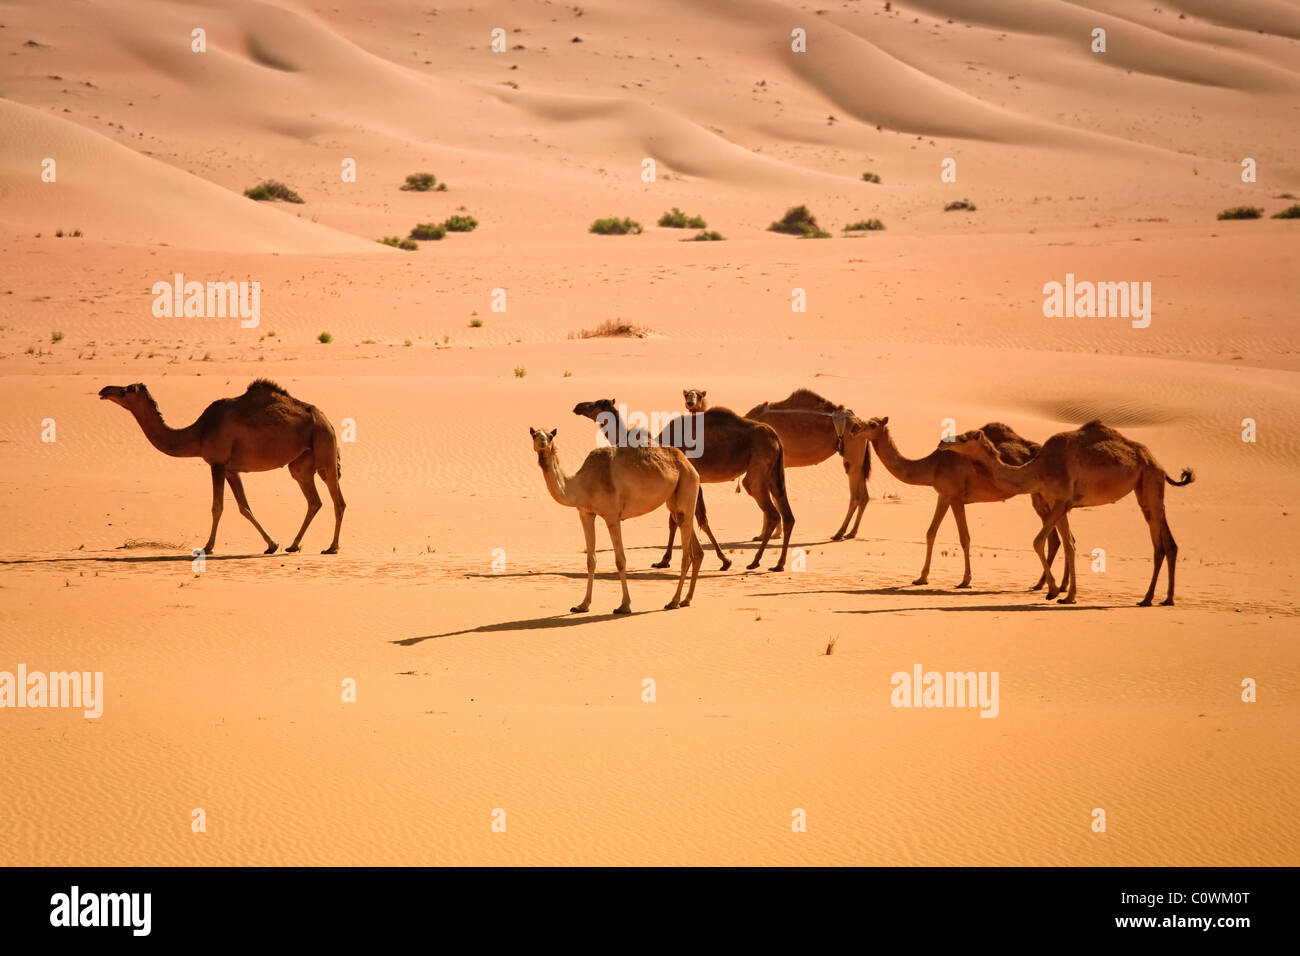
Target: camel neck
x=176, y=442
x=1020, y=478
x=907, y=470
x=556, y=483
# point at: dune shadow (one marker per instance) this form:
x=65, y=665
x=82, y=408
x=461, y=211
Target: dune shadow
x=570, y=619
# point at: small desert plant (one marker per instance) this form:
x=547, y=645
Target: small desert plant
x=870, y=178
x=428, y=230
x=865, y=225
x=679, y=220
x=958, y=205
x=58, y=233
x=272, y=190
x=615, y=227
x=707, y=236
x=460, y=224
x=798, y=221
x=1291, y=212
x=400, y=243
x=408, y=343
x=614, y=329
x=325, y=338
x=420, y=182
x=476, y=323
x=56, y=336
x=1241, y=212
x=520, y=372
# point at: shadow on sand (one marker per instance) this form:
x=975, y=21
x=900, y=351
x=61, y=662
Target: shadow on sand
x=527, y=624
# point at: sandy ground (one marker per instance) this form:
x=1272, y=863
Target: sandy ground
x=476, y=690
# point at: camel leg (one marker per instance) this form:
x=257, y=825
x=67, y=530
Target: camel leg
x=1041, y=508
x=616, y=538
x=689, y=546
x=1171, y=552
x=667, y=559
x=1050, y=520
x=780, y=503
x=303, y=469
x=218, y=487
x=1067, y=545
x=940, y=509
x=237, y=487
x=1151, y=500
x=858, y=498
x=589, y=532
x=963, y=535
x=702, y=519
x=329, y=474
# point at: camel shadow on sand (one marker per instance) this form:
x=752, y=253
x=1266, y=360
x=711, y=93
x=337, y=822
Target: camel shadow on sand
x=149, y=558
x=569, y=619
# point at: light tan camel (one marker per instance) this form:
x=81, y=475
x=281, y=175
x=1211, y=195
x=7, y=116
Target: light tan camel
x=626, y=482
x=729, y=447
x=954, y=480
x=261, y=430
x=1092, y=465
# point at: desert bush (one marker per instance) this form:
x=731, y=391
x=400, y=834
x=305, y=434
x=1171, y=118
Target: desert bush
x=707, y=236
x=325, y=338
x=271, y=190
x=679, y=220
x=428, y=230
x=420, y=182
x=958, y=205
x=865, y=225
x=460, y=224
x=615, y=227
x=1241, y=212
x=870, y=178
x=798, y=221
x=1291, y=212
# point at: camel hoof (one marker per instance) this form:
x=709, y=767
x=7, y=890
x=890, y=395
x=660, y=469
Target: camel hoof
x=921, y=581
x=672, y=606
x=271, y=548
x=751, y=566
x=330, y=551
x=578, y=610
x=726, y=565
x=758, y=537
x=964, y=584
x=660, y=564
x=839, y=536
x=1067, y=600
x=1145, y=602
x=209, y=549
x=623, y=609
x=777, y=567
x=851, y=534
x=1167, y=602
x=292, y=549
x=1036, y=587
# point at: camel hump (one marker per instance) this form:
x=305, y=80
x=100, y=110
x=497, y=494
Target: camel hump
x=808, y=400
x=266, y=385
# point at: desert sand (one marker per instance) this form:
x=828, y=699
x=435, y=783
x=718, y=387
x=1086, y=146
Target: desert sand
x=476, y=691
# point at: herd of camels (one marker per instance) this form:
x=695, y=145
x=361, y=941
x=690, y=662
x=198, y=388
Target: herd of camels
x=635, y=473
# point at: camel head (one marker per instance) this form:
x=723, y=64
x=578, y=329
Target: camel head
x=593, y=410
x=973, y=444
x=131, y=397
x=872, y=428
x=542, y=442
x=695, y=399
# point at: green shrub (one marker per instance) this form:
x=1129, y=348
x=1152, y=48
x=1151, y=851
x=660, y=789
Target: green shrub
x=709, y=236
x=325, y=338
x=1242, y=212
x=476, y=323
x=419, y=182
x=460, y=224
x=798, y=221
x=520, y=372
x=1291, y=212
x=271, y=190
x=400, y=243
x=679, y=220
x=56, y=336
x=958, y=205
x=428, y=230
x=870, y=178
x=865, y=225
x=615, y=227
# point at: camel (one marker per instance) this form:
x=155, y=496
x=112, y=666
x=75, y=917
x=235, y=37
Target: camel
x=1092, y=465
x=811, y=430
x=261, y=430
x=956, y=483
x=625, y=482
x=731, y=447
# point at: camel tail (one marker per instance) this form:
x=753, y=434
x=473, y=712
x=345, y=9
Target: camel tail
x=866, y=460
x=1186, y=479
x=780, y=473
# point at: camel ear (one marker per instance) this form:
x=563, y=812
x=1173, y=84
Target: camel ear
x=702, y=394
x=885, y=420
x=553, y=431
x=686, y=393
